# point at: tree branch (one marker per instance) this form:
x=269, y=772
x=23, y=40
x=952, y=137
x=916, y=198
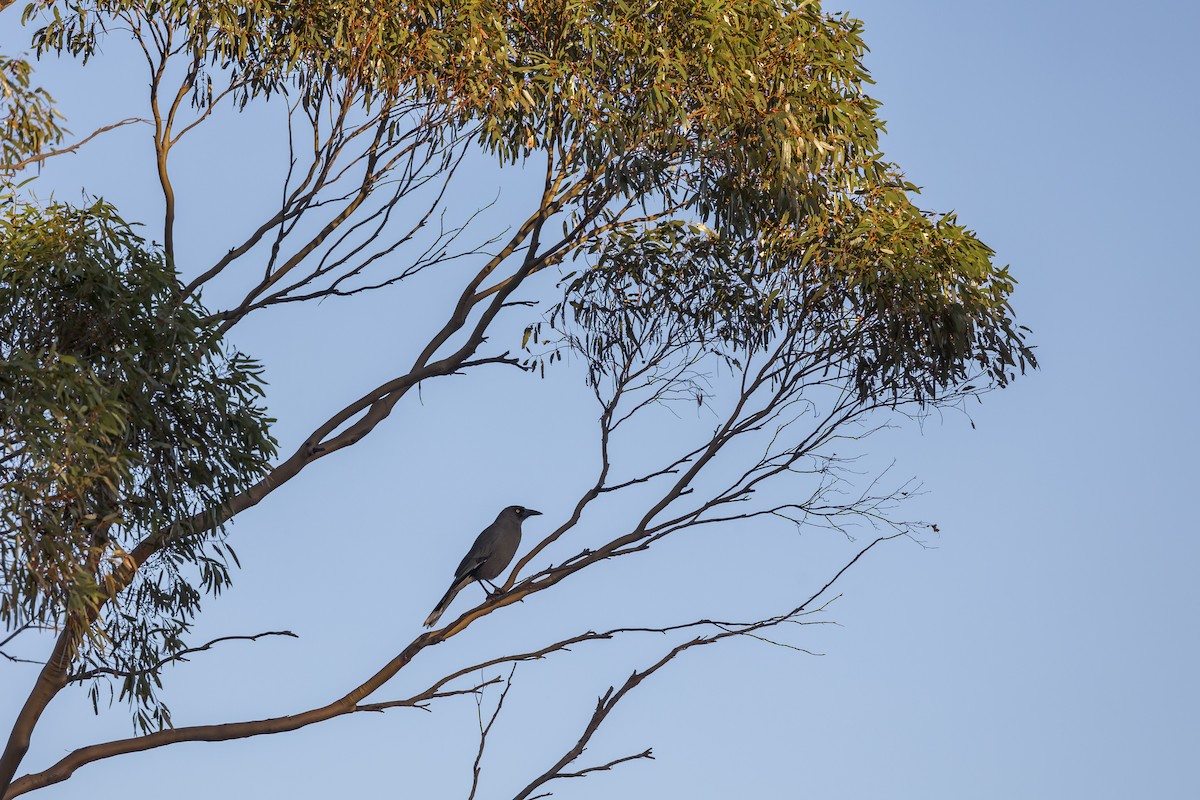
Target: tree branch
x=647, y=753
x=40, y=157
x=484, y=730
x=180, y=656
x=349, y=703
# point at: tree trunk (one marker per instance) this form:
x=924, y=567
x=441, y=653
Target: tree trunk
x=51, y=679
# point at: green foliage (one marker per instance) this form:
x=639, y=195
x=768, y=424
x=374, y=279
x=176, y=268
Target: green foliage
x=121, y=417
x=903, y=306
x=731, y=199
x=28, y=121
x=744, y=109
x=734, y=111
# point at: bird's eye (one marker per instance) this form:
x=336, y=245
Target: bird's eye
x=520, y=510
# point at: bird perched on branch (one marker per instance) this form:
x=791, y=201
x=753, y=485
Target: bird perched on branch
x=493, y=550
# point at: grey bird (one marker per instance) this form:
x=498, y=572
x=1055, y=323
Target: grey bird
x=493, y=550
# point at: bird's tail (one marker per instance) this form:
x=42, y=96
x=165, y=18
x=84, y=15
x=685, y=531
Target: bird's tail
x=445, y=602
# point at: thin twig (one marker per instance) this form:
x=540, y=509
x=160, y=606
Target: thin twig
x=180, y=656
x=40, y=157
x=484, y=730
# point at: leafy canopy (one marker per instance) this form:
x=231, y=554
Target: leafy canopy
x=29, y=122
x=720, y=181
x=120, y=417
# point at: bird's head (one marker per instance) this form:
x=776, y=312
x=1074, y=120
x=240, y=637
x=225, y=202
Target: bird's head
x=521, y=513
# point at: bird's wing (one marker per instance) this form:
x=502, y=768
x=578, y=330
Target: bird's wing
x=468, y=564
x=481, y=551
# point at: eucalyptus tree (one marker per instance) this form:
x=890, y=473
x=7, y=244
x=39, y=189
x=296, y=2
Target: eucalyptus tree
x=712, y=192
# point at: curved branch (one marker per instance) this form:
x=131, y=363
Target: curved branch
x=484, y=730
x=180, y=656
x=40, y=157
x=349, y=703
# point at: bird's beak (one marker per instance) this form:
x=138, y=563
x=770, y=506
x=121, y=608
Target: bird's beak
x=529, y=512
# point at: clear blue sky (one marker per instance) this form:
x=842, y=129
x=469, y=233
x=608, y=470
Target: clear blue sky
x=1046, y=648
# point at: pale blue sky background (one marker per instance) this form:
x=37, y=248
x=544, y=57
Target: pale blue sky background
x=1047, y=648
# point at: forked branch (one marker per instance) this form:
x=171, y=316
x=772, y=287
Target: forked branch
x=350, y=702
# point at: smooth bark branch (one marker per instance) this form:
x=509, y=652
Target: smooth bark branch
x=421, y=701
x=647, y=753
x=51, y=679
x=350, y=703
x=40, y=157
x=162, y=142
x=484, y=730
x=182, y=655
x=346, y=704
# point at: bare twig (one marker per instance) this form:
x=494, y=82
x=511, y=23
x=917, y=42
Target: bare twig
x=349, y=703
x=40, y=157
x=484, y=730
x=647, y=753
x=17, y=632
x=19, y=660
x=180, y=656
